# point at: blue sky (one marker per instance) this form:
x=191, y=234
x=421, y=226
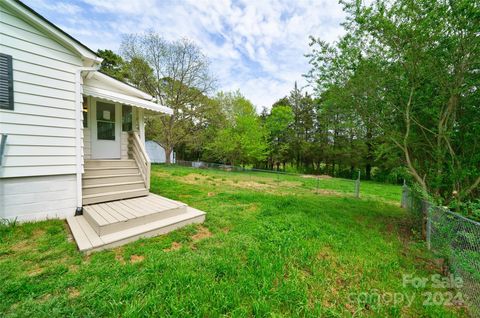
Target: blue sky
x=256, y=46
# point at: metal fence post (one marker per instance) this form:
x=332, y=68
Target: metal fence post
x=426, y=207
x=357, y=186
x=404, y=195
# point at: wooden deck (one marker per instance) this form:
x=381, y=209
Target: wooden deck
x=110, y=224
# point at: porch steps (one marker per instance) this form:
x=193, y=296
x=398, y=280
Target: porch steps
x=107, y=225
x=113, y=196
x=110, y=180
x=120, y=215
x=114, y=178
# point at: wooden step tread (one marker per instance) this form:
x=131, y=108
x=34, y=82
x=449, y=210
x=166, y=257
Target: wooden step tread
x=104, y=214
x=88, y=240
x=112, y=176
x=111, y=193
x=111, y=184
x=110, y=168
x=108, y=160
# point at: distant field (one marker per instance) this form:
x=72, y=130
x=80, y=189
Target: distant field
x=272, y=246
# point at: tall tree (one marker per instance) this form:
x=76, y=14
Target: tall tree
x=181, y=81
x=279, y=125
x=410, y=71
x=112, y=64
x=243, y=139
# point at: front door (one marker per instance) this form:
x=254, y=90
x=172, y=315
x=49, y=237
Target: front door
x=106, y=130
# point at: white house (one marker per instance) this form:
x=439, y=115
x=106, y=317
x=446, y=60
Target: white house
x=156, y=153
x=73, y=138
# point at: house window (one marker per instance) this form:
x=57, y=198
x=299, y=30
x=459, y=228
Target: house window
x=85, y=113
x=127, y=118
x=105, y=121
x=6, y=82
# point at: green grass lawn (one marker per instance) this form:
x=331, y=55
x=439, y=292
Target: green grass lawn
x=270, y=247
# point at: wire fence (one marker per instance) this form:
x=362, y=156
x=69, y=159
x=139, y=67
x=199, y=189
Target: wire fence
x=318, y=184
x=452, y=237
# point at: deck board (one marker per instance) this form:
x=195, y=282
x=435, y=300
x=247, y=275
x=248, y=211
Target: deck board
x=89, y=240
x=129, y=210
x=140, y=209
x=125, y=206
x=158, y=201
x=124, y=214
x=91, y=235
x=81, y=238
x=101, y=209
x=144, y=206
x=94, y=214
x=109, y=218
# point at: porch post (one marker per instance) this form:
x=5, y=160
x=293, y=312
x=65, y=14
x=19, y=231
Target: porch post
x=141, y=125
x=78, y=139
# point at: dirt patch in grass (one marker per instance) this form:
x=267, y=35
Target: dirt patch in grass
x=119, y=256
x=35, y=271
x=38, y=233
x=73, y=268
x=73, y=292
x=325, y=253
x=211, y=194
x=175, y=246
x=250, y=185
x=400, y=228
x=160, y=174
x=290, y=184
x=193, y=178
x=202, y=233
x=23, y=246
x=43, y=298
x=136, y=258
x=327, y=192
x=312, y=176
x=225, y=230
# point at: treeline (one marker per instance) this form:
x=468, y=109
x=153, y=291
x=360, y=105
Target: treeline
x=396, y=98
x=404, y=81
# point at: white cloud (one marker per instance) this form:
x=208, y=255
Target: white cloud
x=59, y=6
x=255, y=46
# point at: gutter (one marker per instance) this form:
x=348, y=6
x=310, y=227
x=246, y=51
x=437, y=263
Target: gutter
x=78, y=134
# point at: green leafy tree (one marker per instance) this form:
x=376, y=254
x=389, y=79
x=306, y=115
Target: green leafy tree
x=409, y=72
x=278, y=124
x=112, y=64
x=243, y=139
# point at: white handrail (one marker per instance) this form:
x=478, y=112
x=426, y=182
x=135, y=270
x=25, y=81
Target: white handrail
x=139, y=154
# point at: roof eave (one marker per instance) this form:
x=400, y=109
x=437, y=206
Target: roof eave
x=89, y=57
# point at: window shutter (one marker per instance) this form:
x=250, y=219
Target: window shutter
x=6, y=82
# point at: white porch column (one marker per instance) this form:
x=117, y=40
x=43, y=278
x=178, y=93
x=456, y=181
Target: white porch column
x=141, y=125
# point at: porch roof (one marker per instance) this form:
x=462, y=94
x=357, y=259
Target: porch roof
x=100, y=85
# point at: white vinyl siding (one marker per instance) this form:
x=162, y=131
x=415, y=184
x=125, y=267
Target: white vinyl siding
x=37, y=198
x=41, y=128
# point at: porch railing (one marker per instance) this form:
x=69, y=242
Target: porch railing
x=136, y=151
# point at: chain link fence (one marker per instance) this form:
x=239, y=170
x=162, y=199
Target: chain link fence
x=452, y=237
